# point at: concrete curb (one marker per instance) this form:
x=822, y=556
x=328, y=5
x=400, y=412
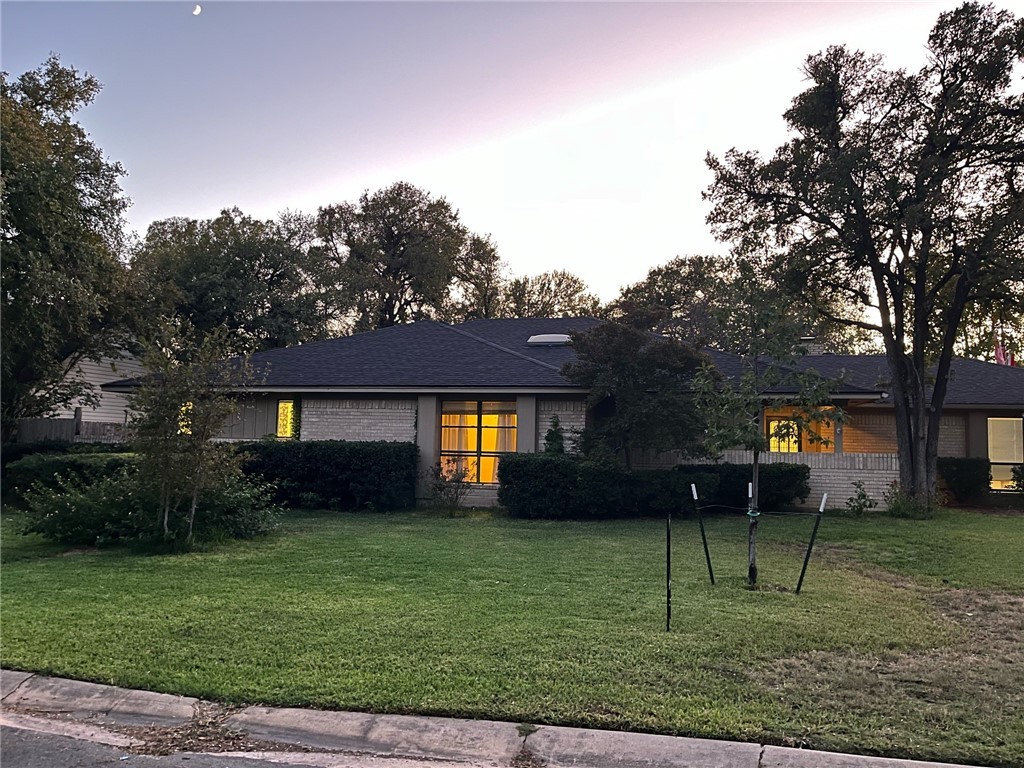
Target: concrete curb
x=437, y=738
x=481, y=742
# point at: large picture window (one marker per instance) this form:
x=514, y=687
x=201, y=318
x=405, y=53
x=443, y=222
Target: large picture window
x=474, y=435
x=1005, y=449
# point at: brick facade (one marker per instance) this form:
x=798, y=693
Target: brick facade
x=572, y=416
x=393, y=420
x=835, y=473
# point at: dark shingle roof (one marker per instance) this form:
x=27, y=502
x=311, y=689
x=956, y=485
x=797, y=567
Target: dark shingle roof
x=427, y=354
x=971, y=382
x=494, y=354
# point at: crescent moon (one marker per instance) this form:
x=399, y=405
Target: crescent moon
x=197, y=10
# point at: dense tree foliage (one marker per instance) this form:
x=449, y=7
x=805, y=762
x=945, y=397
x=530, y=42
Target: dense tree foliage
x=694, y=299
x=639, y=386
x=63, y=295
x=550, y=294
x=478, y=288
x=395, y=251
x=257, y=279
x=900, y=194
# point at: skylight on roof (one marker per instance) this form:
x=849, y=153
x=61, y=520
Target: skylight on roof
x=548, y=340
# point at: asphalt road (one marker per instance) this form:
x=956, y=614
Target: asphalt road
x=20, y=748
x=29, y=749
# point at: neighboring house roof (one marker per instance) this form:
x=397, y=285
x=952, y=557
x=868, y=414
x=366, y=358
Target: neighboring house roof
x=971, y=382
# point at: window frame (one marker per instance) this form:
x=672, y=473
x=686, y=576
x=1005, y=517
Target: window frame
x=795, y=438
x=1009, y=464
x=293, y=421
x=474, y=458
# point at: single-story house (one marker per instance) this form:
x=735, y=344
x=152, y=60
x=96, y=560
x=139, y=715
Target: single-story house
x=469, y=393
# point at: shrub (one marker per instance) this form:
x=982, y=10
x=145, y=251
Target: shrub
x=1017, y=473
x=901, y=504
x=75, y=510
x=860, y=503
x=447, y=484
x=338, y=474
x=603, y=489
x=538, y=485
x=661, y=491
x=47, y=469
x=778, y=484
x=239, y=508
x=967, y=479
x=555, y=486
x=12, y=452
x=124, y=505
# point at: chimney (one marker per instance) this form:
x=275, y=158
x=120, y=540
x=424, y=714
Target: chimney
x=812, y=345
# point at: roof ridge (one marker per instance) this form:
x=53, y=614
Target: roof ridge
x=495, y=345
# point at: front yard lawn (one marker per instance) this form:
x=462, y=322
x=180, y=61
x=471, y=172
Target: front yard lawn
x=906, y=641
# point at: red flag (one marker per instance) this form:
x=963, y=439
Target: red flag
x=1001, y=357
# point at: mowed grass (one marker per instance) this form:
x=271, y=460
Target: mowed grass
x=906, y=641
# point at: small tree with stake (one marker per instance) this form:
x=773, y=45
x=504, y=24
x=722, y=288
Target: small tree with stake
x=181, y=406
x=734, y=406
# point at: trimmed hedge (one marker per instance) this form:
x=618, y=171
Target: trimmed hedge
x=661, y=491
x=778, y=484
x=556, y=486
x=334, y=473
x=12, y=452
x=48, y=469
x=967, y=479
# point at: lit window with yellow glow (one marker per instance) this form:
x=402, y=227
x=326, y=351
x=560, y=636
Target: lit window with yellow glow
x=474, y=435
x=286, y=418
x=185, y=419
x=783, y=436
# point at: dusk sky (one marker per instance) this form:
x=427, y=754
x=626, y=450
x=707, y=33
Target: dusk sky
x=574, y=133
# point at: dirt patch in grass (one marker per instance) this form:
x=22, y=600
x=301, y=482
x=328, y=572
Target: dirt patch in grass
x=946, y=702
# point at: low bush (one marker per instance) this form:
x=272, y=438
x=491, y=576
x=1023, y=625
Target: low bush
x=967, y=479
x=899, y=503
x=556, y=486
x=76, y=510
x=124, y=505
x=661, y=491
x=540, y=485
x=46, y=470
x=779, y=484
x=12, y=452
x=334, y=473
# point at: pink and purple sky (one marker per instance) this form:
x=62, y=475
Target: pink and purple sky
x=573, y=132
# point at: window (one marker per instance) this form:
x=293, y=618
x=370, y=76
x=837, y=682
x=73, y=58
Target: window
x=285, y=418
x=185, y=419
x=788, y=429
x=474, y=435
x=783, y=436
x=1005, y=449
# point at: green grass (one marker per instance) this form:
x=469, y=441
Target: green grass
x=905, y=640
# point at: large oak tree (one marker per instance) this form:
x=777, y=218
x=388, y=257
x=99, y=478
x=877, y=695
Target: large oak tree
x=63, y=294
x=901, y=194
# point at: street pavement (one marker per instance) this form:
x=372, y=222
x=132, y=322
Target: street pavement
x=59, y=723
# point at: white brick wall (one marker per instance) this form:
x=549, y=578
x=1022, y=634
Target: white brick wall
x=835, y=473
x=393, y=420
x=572, y=416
